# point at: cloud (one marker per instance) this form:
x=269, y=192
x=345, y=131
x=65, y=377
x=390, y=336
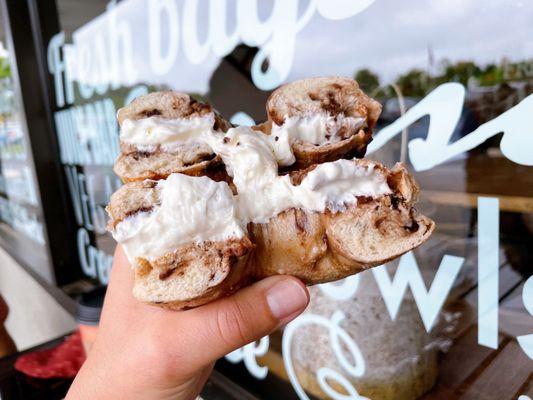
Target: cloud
x=391, y=37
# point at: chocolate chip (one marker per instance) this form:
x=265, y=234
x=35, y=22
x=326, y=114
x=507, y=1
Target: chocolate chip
x=139, y=210
x=166, y=274
x=364, y=199
x=412, y=228
x=331, y=105
x=140, y=154
x=200, y=108
x=150, y=113
x=395, y=201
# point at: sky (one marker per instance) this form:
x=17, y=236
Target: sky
x=390, y=37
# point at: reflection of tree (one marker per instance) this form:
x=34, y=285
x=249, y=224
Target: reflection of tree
x=491, y=75
x=492, y=89
x=414, y=83
x=417, y=82
x=368, y=81
x=5, y=69
x=459, y=72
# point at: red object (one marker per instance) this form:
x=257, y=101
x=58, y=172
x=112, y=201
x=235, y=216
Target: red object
x=63, y=361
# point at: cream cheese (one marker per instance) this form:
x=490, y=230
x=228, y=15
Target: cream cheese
x=317, y=129
x=337, y=184
x=148, y=133
x=262, y=194
x=197, y=209
x=192, y=209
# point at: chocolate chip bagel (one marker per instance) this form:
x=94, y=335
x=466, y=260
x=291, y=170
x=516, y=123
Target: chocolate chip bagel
x=158, y=137
x=348, y=113
x=288, y=196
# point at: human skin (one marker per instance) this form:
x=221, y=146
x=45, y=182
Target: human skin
x=147, y=352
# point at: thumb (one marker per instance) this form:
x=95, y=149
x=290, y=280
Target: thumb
x=248, y=315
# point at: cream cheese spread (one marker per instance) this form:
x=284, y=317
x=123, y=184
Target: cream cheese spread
x=317, y=129
x=197, y=209
x=262, y=194
x=147, y=134
x=192, y=209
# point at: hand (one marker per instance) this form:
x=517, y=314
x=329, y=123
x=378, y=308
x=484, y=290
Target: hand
x=146, y=352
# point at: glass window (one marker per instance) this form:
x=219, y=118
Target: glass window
x=21, y=222
x=455, y=79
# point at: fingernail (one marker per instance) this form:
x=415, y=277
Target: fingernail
x=286, y=298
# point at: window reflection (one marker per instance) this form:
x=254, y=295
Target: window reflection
x=399, y=54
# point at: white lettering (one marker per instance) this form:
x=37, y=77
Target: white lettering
x=94, y=262
x=194, y=51
x=104, y=51
x=58, y=67
x=159, y=12
x=248, y=354
x=88, y=134
x=123, y=67
x=97, y=211
x=89, y=212
x=488, y=271
x=526, y=341
x=355, y=368
x=444, y=106
x=408, y=275
x=341, y=290
x=87, y=266
x=83, y=61
x=221, y=41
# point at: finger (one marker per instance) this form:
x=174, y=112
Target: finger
x=119, y=298
x=120, y=279
x=253, y=312
x=121, y=274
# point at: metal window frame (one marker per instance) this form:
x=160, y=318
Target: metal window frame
x=29, y=25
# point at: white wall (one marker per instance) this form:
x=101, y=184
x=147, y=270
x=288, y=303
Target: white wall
x=35, y=316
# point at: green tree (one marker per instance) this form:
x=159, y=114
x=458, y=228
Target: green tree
x=5, y=70
x=415, y=83
x=460, y=72
x=491, y=75
x=368, y=81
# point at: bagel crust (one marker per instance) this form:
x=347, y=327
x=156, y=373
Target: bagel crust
x=336, y=97
x=334, y=242
x=135, y=164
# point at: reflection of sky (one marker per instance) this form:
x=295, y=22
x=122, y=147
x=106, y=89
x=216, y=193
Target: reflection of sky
x=184, y=76
x=3, y=51
x=390, y=37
